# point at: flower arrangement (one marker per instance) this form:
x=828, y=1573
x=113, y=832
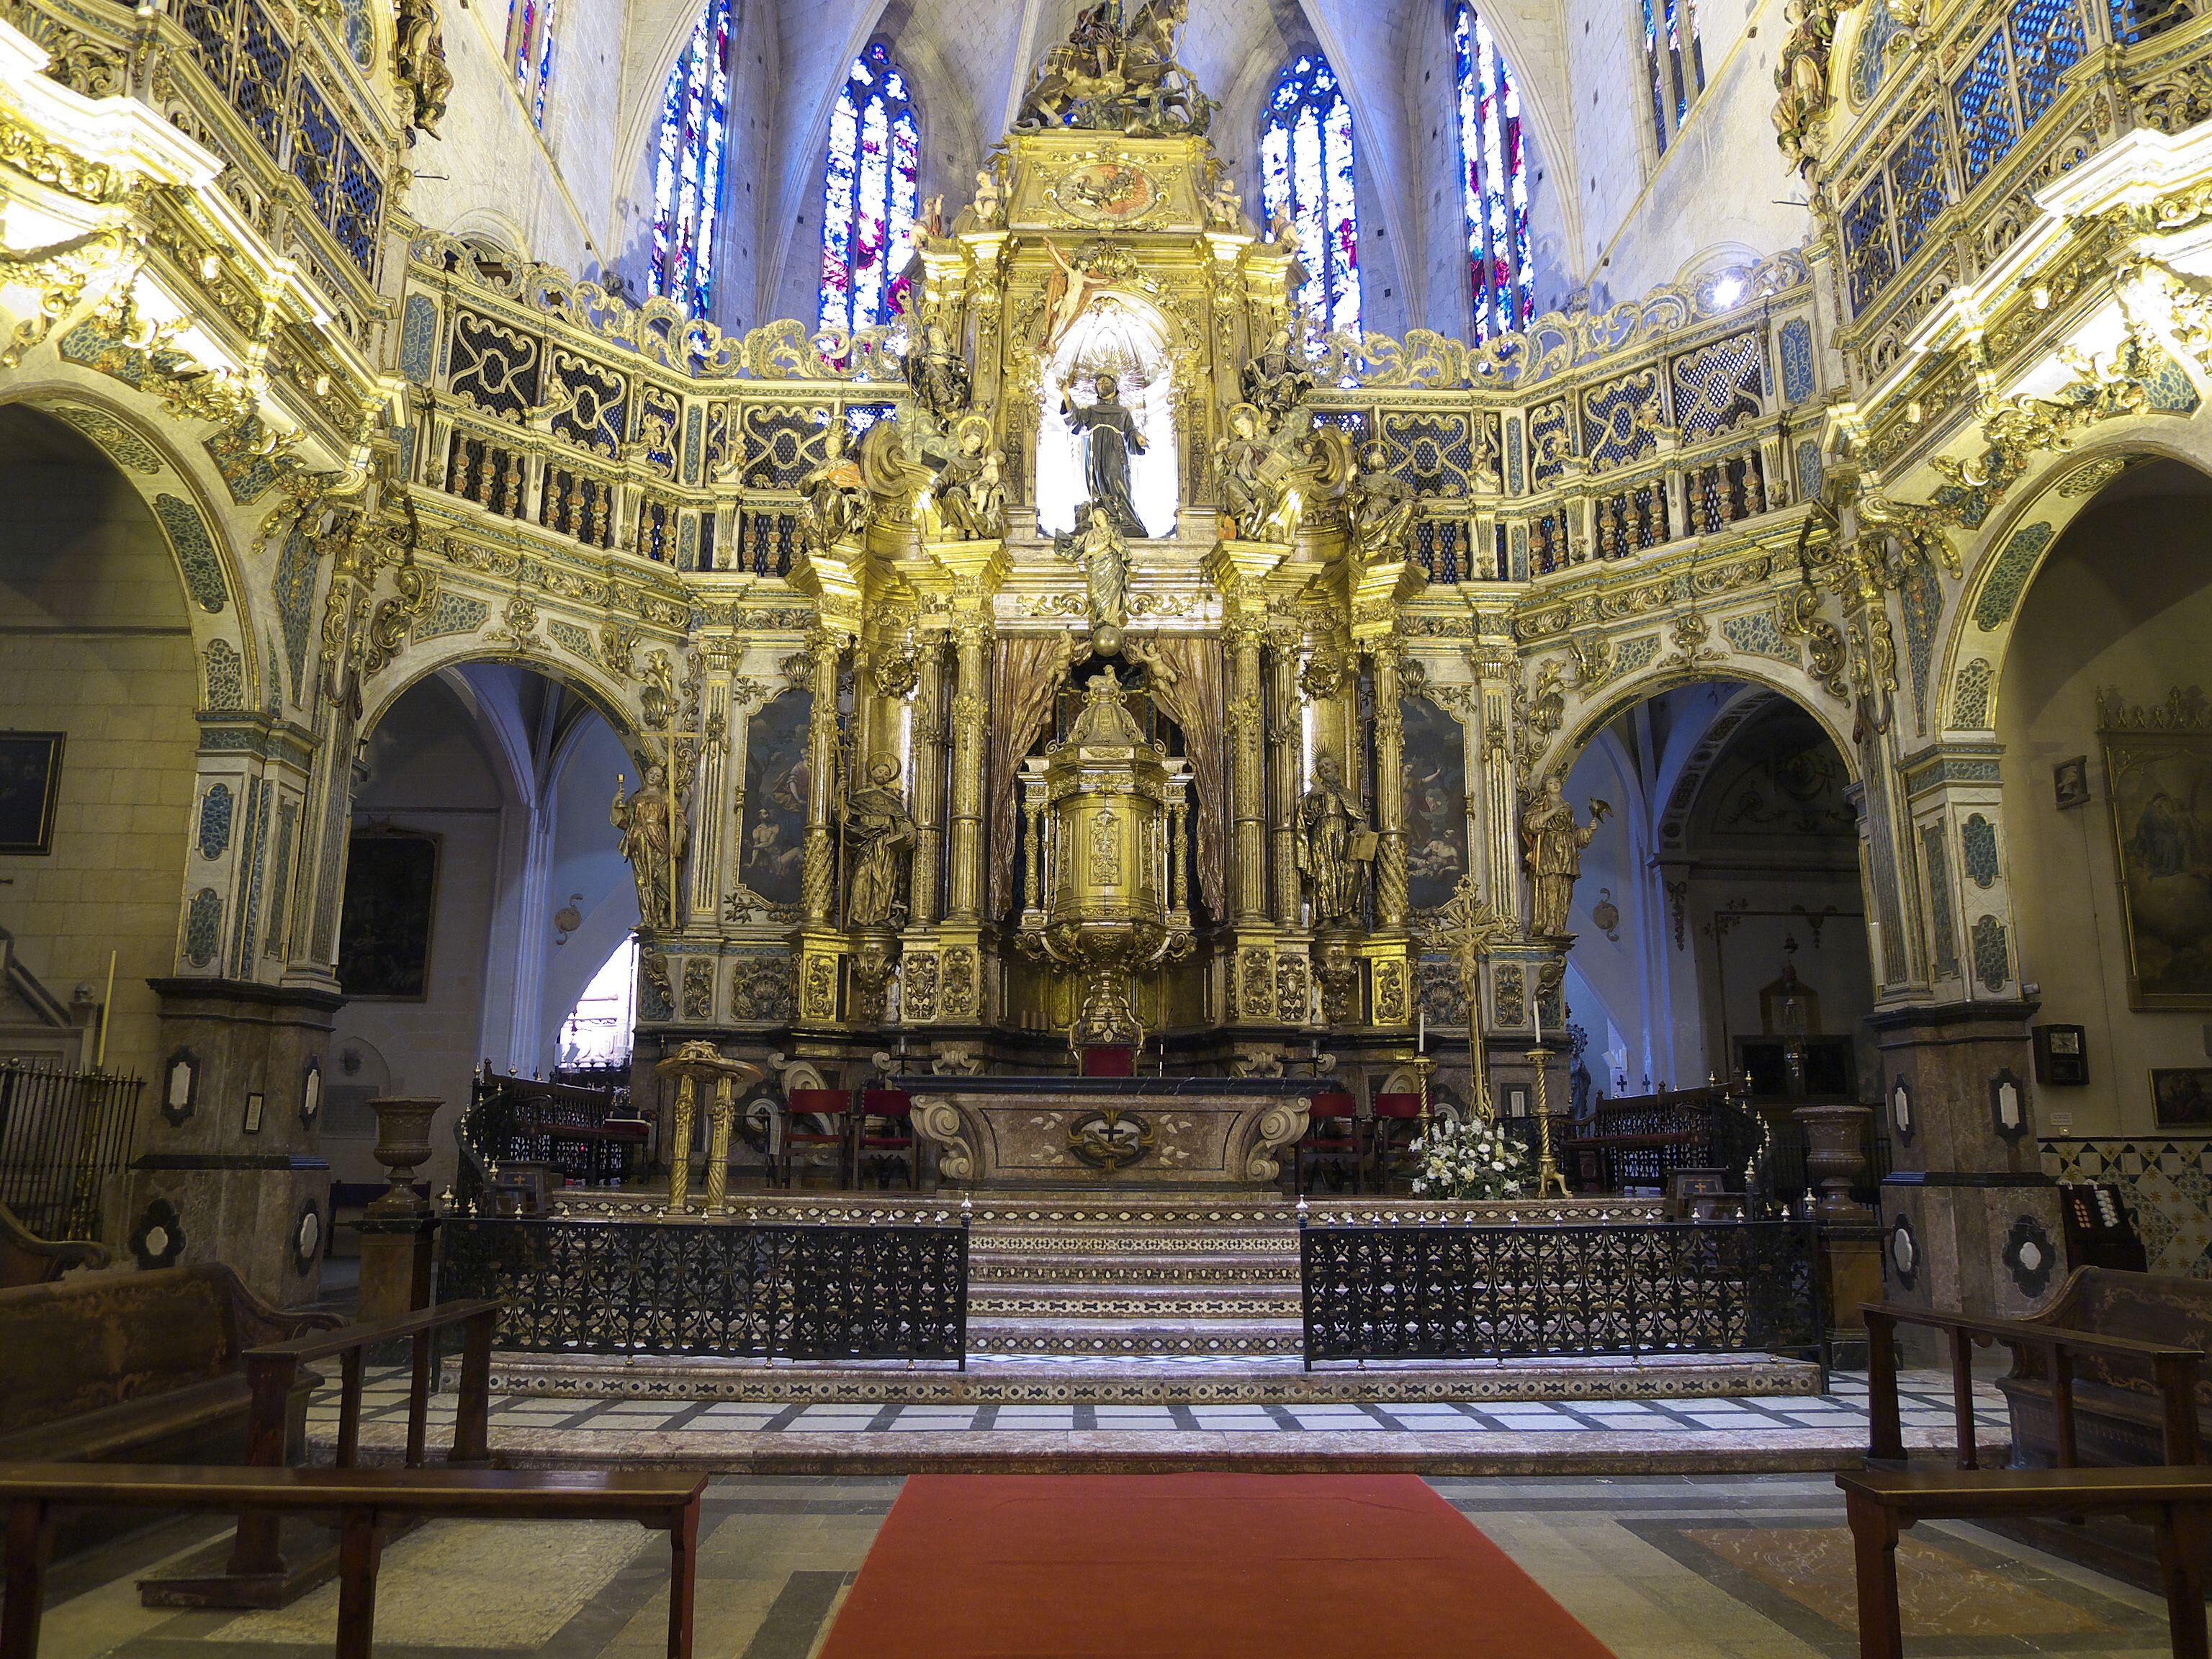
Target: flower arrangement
x=1469, y=1157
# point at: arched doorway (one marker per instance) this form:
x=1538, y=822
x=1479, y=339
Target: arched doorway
x=2107, y=788
x=485, y=890
x=1719, y=920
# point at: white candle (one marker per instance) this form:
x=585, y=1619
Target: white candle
x=1537, y=1009
x=1424, y=1046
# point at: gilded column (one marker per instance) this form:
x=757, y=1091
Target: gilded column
x=926, y=785
x=1387, y=655
x=971, y=714
x=1248, y=876
x=818, y=873
x=1283, y=745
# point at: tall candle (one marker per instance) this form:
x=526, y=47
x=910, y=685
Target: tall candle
x=1424, y=1039
x=1537, y=1008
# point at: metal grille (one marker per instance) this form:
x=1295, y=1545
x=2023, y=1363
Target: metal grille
x=2046, y=42
x=598, y=404
x=260, y=94
x=1549, y=442
x=61, y=1134
x=1617, y=420
x=768, y=1291
x=493, y=367
x=1481, y=1292
x=2141, y=19
x=1867, y=256
x=1433, y=453
x=1986, y=132
x=1916, y=183
x=357, y=205
x=1718, y=386
x=314, y=147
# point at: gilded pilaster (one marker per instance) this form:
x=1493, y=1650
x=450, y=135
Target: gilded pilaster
x=1247, y=880
x=1387, y=656
x=1283, y=736
x=926, y=790
x=817, y=872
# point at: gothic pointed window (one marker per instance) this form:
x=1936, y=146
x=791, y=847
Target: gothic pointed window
x=1675, y=60
x=530, y=52
x=868, y=194
x=1306, y=171
x=1493, y=180
x=687, y=185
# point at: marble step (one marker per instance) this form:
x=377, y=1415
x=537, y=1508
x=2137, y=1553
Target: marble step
x=1177, y=1301
x=1192, y=1338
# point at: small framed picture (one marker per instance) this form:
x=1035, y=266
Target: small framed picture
x=2183, y=1097
x=1517, y=1102
x=30, y=783
x=2069, y=782
x=253, y=1106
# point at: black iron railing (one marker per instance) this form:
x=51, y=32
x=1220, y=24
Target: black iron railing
x=772, y=1291
x=62, y=1135
x=1485, y=1292
x=585, y=1135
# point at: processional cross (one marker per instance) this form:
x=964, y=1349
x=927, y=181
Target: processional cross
x=1468, y=927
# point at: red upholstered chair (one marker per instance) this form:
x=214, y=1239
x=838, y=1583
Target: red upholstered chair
x=1109, y=1060
x=1332, y=1139
x=884, y=1140
x=1396, y=1127
x=800, y=1136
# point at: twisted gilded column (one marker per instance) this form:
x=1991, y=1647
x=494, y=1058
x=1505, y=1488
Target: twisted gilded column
x=1388, y=656
x=971, y=714
x=817, y=883
x=1283, y=745
x=927, y=781
x=1243, y=717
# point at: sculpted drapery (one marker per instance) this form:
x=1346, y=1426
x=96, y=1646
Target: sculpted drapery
x=1028, y=671
x=1194, y=701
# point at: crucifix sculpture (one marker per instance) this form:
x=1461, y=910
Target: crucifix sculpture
x=1468, y=927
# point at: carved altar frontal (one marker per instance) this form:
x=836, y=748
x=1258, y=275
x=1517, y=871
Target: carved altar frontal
x=1009, y=1134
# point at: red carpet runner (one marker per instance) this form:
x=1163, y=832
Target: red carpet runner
x=1192, y=1566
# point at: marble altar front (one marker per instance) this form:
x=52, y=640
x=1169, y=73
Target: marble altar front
x=1228, y=1135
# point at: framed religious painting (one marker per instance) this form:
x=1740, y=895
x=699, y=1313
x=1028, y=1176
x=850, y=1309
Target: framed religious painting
x=2158, y=779
x=391, y=898
x=30, y=783
x=2182, y=1096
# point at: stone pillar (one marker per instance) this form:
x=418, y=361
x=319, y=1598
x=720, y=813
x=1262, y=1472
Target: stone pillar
x=819, y=874
x=1387, y=655
x=1248, y=883
x=927, y=786
x=971, y=714
x=1283, y=747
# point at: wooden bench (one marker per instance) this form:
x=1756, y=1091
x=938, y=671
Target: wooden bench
x=364, y=1500
x=27, y=1259
x=2171, y=1370
x=147, y=1365
x=2121, y=1401
x=1881, y=1503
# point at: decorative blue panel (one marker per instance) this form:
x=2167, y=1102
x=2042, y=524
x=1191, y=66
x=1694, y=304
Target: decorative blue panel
x=1869, y=57
x=2046, y=42
x=203, y=928
x=1618, y=420
x=1809, y=470
x=1916, y=183
x=1799, y=380
x=1922, y=598
x=418, y=338
x=1868, y=260
x=1514, y=474
x=1433, y=451
x=1977, y=837
x=1718, y=386
x=1943, y=930
x=1549, y=442
x=1986, y=132
x=294, y=590
x=195, y=551
x=694, y=431
x=214, y=821
x=1992, y=954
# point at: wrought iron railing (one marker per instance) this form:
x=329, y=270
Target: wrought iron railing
x=62, y=1135
x=1518, y=1290
x=764, y=1290
x=585, y=1135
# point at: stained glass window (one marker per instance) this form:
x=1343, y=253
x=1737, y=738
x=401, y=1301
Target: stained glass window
x=1674, y=61
x=1305, y=171
x=687, y=185
x=868, y=194
x=1493, y=178
x=530, y=50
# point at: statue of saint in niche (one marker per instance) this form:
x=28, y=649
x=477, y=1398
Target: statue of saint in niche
x=1095, y=545
x=1108, y=430
x=1552, y=845
x=1335, y=845
x=1380, y=506
x=878, y=831
x=653, y=838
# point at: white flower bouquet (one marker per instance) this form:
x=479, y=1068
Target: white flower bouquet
x=1468, y=1158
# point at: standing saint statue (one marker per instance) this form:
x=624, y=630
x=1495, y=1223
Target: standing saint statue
x=419, y=51
x=1095, y=545
x=1108, y=431
x=878, y=831
x=653, y=838
x=1552, y=845
x=1334, y=846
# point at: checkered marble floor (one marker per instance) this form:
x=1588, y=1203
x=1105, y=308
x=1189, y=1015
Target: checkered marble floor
x=1925, y=1402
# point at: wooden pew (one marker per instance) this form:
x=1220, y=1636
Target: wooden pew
x=2172, y=1369
x=364, y=1500
x=1881, y=1503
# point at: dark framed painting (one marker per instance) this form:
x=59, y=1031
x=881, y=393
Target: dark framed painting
x=777, y=784
x=1434, y=764
x=2159, y=785
x=384, y=933
x=2182, y=1096
x=30, y=784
